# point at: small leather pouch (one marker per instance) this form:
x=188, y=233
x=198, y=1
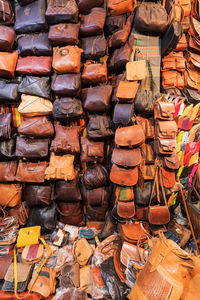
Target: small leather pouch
x=165, y=129
x=172, y=78
x=164, y=110
x=28, y=236
x=83, y=251
x=99, y=127
x=94, y=73
x=95, y=176
x=171, y=162
x=168, y=177
x=127, y=90
x=136, y=70
x=120, y=7
x=32, y=253
x=126, y=158
x=164, y=146
x=34, y=65
x=5, y=126
x=133, y=233
x=66, y=85
x=130, y=136
x=123, y=113
x=67, y=109
x=91, y=151
x=70, y=275
x=61, y=12
x=174, y=61
x=126, y=209
x=122, y=176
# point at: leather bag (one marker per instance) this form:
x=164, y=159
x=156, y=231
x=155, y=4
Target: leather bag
x=38, y=194
x=132, y=233
x=36, y=86
x=66, y=85
x=31, y=171
x=65, y=191
x=168, y=178
x=171, y=162
x=163, y=146
x=70, y=275
x=147, y=154
x=122, y=176
x=194, y=44
x=172, y=79
x=97, y=197
x=94, y=73
x=86, y=5
x=126, y=209
x=119, y=59
x=65, y=11
x=62, y=34
x=5, y=126
x=95, y=176
x=142, y=194
x=67, y=59
x=123, y=113
x=8, y=170
x=147, y=125
x=7, y=149
x=91, y=151
x=93, y=23
x=83, y=251
x=132, y=252
x=99, y=126
x=34, y=44
x=7, y=38
x=8, y=62
x=97, y=99
x=127, y=90
x=164, y=110
x=93, y=47
x=67, y=108
x=6, y=13
x=171, y=37
x=130, y=136
x=165, y=129
x=39, y=127
x=33, y=106
x=34, y=65
x=174, y=61
x=114, y=24
x=117, y=7
x=136, y=70
x=192, y=79
x=193, y=59
x=60, y=167
x=182, y=44
x=147, y=171
x=11, y=194
x=9, y=90
x=126, y=158
x=70, y=213
x=32, y=148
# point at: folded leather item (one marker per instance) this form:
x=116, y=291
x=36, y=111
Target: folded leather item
x=127, y=90
x=11, y=194
x=67, y=59
x=171, y=162
x=67, y=108
x=32, y=106
x=174, y=61
x=71, y=213
x=8, y=62
x=172, y=79
x=91, y=151
x=126, y=209
x=70, y=275
x=95, y=176
x=119, y=59
x=136, y=70
x=62, y=12
x=97, y=197
x=83, y=251
x=62, y=34
x=38, y=195
x=126, y=158
x=147, y=125
x=32, y=254
x=86, y=5
x=142, y=194
x=93, y=23
x=7, y=38
x=31, y=171
x=66, y=85
x=130, y=136
x=192, y=78
x=168, y=178
x=171, y=37
x=122, y=176
x=34, y=44
x=164, y=110
x=132, y=233
x=148, y=171
x=60, y=167
x=194, y=27
x=194, y=44
x=147, y=152
x=32, y=148
x=94, y=47
x=123, y=113
x=9, y=90
x=100, y=126
x=94, y=73
x=132, y=252
x=97, y=99
x=182, y=44
x=164, y=146
x=36, y=86
x=193, y=59
x=165, y=129
x=7, y=149
x=5, y=126
x=34, y=65
x=6, y=13
x=36, y=127
x=120, y=7
x=65, y=191
x=8, y=170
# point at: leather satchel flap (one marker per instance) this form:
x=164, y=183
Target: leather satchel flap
x=136, y=70
x=172, y=162
x=126, y=209
x=121, y=176
x=166, y=129
x=124, y=193
x=130, y=136
x=34, y=106
x=36, y=127
x=31, y=171
x=164, y=110
x=127, y=158
x=158, y=215
x=23, y=272
x=70, y=275
x=127, y=89
x=168, y=178
x=167, y=146
x=194, y=58
x=133, y=232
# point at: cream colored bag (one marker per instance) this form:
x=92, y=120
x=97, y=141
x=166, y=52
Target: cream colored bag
x=32, y=106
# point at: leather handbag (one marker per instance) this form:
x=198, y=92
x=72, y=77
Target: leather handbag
x=151, y=17
x=171, y=37
x=65, y=191
x=168, y=178
x=66, y=85
x=33, y=106
x=192, y=78
x=174, y=61
x=163, y=146
x=114, y=24
x=122, y=176
x=39, y=127
x=142, y=194
x=8, y=62
x=34, y=44
x=132, y=252
x=126, y=158
x=30, y=18
x=94, y=73
x=5, y=126
x=8, y=170
x=147, y=154
x=70, y=275
x=99, y=126
x=34, y=65
x=147, y=125
x=123, y=113
x=127, y=90
x=165, y=129
x=126, y=209
x=119, y=59
x=6, y=13
x=129, y=136
x=7, y=38
x=96, y=213
x=38, y=194
x=97, y=197
x=93, y=23
x=11, y=194
x=67, y=108
x=7, y=149
x=93, y=47
x=60, y=167
x=136, y=70
x=95, y=176
x=37, y=252
x=66, y=140
x=91, y=151
x=70, y=213
x=117, y=7
x=132, y=233
x=172, y=79
x=97, y=99
x=65, y=11
x=86, y=5
x=182, y=44
x=171, y=162
x=31, y=171
x=83, y=251
x=36, y=86
x=164, y=110
x=62, y=34
x=67, y=59
x=32, y=148
x=9, y=90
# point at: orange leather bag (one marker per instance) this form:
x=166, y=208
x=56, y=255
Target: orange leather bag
x=32, y=106
x=8, y=62
x=119, y=7
x=83, y=251
x=11, y=194
x=164, y=110
x=31, y=171
x=174, y=61
x=130, y=136
x=127, y=90
x=186, y=6
x=182, y=44
x=94, y=73
x=172, y=78
x=192, y=78
x=122, y=176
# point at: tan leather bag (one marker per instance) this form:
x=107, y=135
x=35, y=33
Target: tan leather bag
x=83, y=251
x=192, y=78
x=11, y=194
x=136, y=70
x=127, y=90
x=32, y=106
x=165, y=129
x=186, y=6
x=174, y=61
x=60, y=167
x=8, y=62
x=130, y=136
x=164, y=110
x=85, y=281
x=31, y=171
x=119, y=7
x=172, y=78
x=122, y=176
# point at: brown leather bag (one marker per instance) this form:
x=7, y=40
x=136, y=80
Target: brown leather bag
x=36, y=127
x=133, y=252
x=34, y=65
x=32, y=106
x=67, y=59
x=70, y=275
x=6, y=13
x=122, y=176
x=127, y=90
x=168, y=178
x=93, y=23
x=66, y=140
x=147, y=125
x=94, y=73
x=171, y=162
x=7, y=38
x=147, y=154
x=5, y=126
x=38, y=195
x=11, y=194
x=126, y=158
x=172, y=79
x=165, y=129
x=126, y=209
x=32, y=148
x=119, y=7
x=62, y=34
x=186, y=6
x=174, y=61
x=193, y=59
x=31, y=171
x=148, y=171
x=66, y=85
x=94, y=47
x=8, y=62
x=192, y=78
x=132, y=233
x=91, y=151
x=163, y=146
x=95, y=176
x=62, y=11
x=164, y=110
x=70, y=213
x=8, y=170
x=67, y=191
x=60, y=167
x=130, y=136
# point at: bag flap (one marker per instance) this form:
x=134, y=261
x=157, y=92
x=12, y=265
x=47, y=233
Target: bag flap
x=130, y=136
x=136, y=70
x=169, y=180
x=167, y=127
x=194, y=76
x=95, y=149
x=158, y=215
x=164, y=143
x=166, y=109
x=23, y=272
x=127, y=89
x=122, y=176
x=124, y=193
x=172, y=161
x=127, y=158
x=126, y=209
x=133, y=232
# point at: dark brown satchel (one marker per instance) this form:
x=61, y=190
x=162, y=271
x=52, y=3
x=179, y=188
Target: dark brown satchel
x=93, y=23
x=164, y=110
x=6, y=13
x=130, y=136
x=91, y=151
x=67, y=191
x=163, y=146
x=95, y=176
x=119, y=59
x=165, y=129
x=147, y=125
x=8, y=170
x=5, y=126
x=70, y=213
x=99, y=127
x=171, y=162
x=65, y=11
x=126, y=158
x=97, y=197
x=94, y=47
x=32, y=148
x=94, y=73
x=7, y=38
x=38, y=195
x=62, y=34
x=36, y=127
x=97, y=99
x=34, y=44
x=66, y=85
x=114, y=23
x=86, y=5
x=35, y=65
x=31, y=171
x=67, y=108
x=123, y=113
x=66, y=140
x=122, y=176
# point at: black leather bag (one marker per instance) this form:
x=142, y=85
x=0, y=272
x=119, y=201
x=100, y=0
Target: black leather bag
x=95, y=176
x=67, y=108
x=123, y=113
x=34, y=44
x=36, y=86
x=32, y=148
x=30, y=18
x=94, y=47
x=7, y=149
x=9, y=90
x=66, y=85
x=171, y=38
x=38, y=194
x=142, y=194
x=67, y=191
x=45, y=217
x=100, y=127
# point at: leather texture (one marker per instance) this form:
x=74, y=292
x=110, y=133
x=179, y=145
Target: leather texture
x=123, y=113
x=67, y=191
x=171, y=37
x=11, y=194
x=68, y=85
x=67, y=108
x=122, y=176
x=8, y=170
x=164, y=110
x=91, y=151
x=163, y=146
x=31, y=171
x=5, y=126
x=120, y=7
x=133, y=233
x=95, y=176
x=62, y=34
x=165, y=129
x=70, y=275
x=39, y=127
x=32, y=106
x=8, y=62
x=9, y=90
x=97, y=99
x=94, y=47
x=94, y=73
x=86, y=5
x=70, y=213
x=32, y=148
x=99, y=127
x=34, y=44
x=7, y=38
x=126, y=158
x=36, y=86
x=127, y=90
x=38, y=194
x=65, y=12
x=130, y=136
x=93, y=23
x=6, y=13
x=114, y=23
x=34, y=65
x=142, y=194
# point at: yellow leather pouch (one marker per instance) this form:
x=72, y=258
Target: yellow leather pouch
x=28, y=236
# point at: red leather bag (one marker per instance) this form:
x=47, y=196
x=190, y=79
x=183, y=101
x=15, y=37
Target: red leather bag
x=35, y=65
